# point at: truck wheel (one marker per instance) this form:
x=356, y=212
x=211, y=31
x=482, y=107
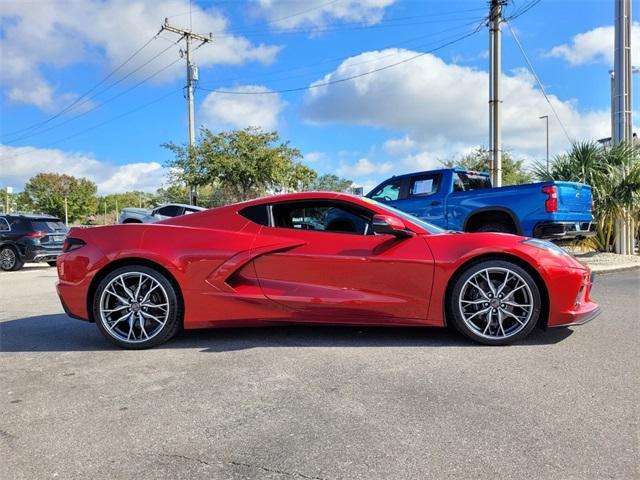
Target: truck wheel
x=52, y=264
x=9, y=259
x=495, y=227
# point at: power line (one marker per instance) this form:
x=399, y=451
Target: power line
x=535, y=75
x=345, y=79
x=270, y=75
x=95, y=107
x=390, y=22
x=77, y=100
x=524, y=9
x=101, y=124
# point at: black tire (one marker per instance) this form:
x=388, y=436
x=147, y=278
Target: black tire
x=454, y=310
x=52, y=264
x=10, y=261
x=495, y=227
x=166, y=332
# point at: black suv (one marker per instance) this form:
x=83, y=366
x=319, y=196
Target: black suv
x=30, y=238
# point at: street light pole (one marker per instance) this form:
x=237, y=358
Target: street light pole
x=546, y=117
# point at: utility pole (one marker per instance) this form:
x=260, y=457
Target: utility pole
x=192, y=77
x=495, y=54
x=546, y=117
x=622, y=125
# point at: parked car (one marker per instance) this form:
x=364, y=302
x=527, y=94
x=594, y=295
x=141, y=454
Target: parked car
x=170, y=210
x=457, y=199
x=284, y=260
x=30, y=238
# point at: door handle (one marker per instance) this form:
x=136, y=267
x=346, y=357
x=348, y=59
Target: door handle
x=434, y=203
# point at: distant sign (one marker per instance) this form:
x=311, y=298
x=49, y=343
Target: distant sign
x=9, y=189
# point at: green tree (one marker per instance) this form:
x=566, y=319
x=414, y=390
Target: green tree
x=331, y=183
x=47, y=192
x=241, y=164
x=614, y=176
x=513, y=171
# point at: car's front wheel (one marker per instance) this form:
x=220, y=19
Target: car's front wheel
x=495, y=302
x=137, y=307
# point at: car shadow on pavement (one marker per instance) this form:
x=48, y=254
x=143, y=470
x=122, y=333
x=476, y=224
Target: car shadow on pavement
x=59, y=333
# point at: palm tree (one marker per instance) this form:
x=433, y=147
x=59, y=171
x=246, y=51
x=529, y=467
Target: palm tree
x=614, y=176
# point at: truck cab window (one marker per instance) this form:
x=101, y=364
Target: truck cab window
x=387, y=192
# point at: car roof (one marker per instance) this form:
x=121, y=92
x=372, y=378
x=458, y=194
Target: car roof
x=32, y=216
x=184, y=205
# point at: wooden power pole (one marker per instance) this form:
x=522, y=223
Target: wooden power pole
x=192, y=76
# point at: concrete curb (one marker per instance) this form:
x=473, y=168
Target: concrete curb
x=613, y=268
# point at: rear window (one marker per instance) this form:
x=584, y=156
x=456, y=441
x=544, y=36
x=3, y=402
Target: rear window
x=465, y=181
x=257, y=214
x=48, y=226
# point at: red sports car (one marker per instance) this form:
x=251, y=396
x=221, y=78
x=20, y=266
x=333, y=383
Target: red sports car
x=322, y=258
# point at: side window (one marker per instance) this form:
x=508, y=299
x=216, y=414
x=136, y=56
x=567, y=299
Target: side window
x=4, y=225
x=388, y=192
x=424, y=185
x=458, y=184
x=169, y=211
x=322, y=216
x=257, y=214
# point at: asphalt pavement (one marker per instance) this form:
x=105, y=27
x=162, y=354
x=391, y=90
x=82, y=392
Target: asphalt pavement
x=295, y=403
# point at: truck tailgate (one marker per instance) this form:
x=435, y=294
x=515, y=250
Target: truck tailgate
x=573, y=197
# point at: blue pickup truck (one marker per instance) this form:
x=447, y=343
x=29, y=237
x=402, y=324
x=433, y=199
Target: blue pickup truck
x=458, y=199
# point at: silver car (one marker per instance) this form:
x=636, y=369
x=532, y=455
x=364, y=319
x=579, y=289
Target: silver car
x=142, y=215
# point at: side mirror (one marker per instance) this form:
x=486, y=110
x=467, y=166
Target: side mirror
x=389, y=225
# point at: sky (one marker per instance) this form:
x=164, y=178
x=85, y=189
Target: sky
x=365, y=89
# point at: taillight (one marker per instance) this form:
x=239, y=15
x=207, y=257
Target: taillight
x=551, y=203
x=36, y=234
x=71, y=244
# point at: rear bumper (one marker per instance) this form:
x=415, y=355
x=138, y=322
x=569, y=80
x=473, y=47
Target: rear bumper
x=564, y=230
x=42, y=254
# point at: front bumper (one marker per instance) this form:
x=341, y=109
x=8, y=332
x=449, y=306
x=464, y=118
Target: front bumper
x=564, y=230
x=570, y=298
x=581, y=318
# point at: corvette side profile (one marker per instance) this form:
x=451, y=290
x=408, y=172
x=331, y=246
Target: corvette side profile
x=315, y=258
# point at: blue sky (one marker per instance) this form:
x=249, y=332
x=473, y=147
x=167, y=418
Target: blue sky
x=404, y=117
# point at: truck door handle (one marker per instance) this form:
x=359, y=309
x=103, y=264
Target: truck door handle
x=434, y=203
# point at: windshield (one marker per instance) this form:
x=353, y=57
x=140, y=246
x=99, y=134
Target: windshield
x=429, y=227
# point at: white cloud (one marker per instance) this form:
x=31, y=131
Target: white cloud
x=363, y=167
x=399, y=146
x=443, y=107
x=240, y=111
x=314, y=156
x=59, y=33
x=596, y=45
x=285, y=14
x=18, y=164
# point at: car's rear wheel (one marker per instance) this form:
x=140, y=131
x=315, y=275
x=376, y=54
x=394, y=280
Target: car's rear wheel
x=9, y=259
x=137, y=307
x=495, y=302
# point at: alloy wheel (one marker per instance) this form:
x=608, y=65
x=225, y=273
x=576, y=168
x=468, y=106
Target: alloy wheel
x=134, y=307
x=496, y=303
x=7, y=258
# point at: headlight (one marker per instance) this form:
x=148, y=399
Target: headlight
x=548, y=246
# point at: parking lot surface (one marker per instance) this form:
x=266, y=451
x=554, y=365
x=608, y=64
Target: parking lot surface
x=316, y=403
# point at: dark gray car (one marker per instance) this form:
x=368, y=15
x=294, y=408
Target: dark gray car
x=30, y=238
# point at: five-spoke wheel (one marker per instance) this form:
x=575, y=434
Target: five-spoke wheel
x=137, y=307
x=495, y=302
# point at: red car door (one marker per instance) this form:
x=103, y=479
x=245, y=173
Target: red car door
x=346, y=275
